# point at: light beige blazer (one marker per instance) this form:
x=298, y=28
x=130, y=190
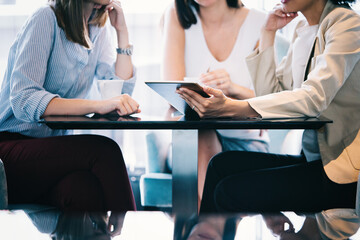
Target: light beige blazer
x=332, y=90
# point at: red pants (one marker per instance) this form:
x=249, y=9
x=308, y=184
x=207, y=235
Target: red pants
x=76, y=172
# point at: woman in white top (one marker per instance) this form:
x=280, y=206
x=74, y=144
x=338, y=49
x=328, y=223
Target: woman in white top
x=209, y=40
x=319, y=77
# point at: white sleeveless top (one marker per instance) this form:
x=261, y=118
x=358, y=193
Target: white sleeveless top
x=198, y=59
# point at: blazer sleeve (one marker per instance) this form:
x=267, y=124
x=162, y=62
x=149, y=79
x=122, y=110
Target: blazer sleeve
x=266, y=76
x=336, y=54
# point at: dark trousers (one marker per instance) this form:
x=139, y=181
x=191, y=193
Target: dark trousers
x=76, y=172
x=260, y=182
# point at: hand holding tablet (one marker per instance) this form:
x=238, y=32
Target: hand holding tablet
x=167, y=89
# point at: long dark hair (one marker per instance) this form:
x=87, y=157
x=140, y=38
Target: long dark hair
x=186, y=15
x=345, y=3
x=337, y=2
x=70, y=17
x=71, y=225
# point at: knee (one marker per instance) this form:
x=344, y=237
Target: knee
x=214, y=161
x=101, y=142
x=79, y=191
x=218, y=160
x=104, y=148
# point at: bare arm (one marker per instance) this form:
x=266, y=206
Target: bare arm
x=123, y=64
x=173, y=59
x=241, y=92
x=276, y=20
x=123, y=105
x=61, y=106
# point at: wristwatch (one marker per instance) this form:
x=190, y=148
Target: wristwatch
x=127, y=51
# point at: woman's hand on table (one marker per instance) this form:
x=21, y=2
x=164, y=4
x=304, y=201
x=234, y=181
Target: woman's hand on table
x=123, y=105
x=205, y=107
x=217, y=105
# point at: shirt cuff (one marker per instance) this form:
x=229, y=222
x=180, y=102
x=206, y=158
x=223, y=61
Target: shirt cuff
x=43, y=104
x=129, y=84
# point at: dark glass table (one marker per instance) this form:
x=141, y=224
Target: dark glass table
x=139, y=121
x=184, y=139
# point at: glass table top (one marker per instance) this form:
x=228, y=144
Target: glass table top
x=39, y=223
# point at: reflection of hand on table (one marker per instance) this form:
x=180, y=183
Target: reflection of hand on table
x=113, y=116
x=276, y=223
x=309, y=230
x=170, y=114
x=116, y=222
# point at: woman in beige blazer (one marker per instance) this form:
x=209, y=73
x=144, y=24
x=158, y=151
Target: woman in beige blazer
x=324, y=176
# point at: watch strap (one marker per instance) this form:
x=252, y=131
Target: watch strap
x=126, y=51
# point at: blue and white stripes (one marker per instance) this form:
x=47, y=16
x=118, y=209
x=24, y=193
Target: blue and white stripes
x=44, y=64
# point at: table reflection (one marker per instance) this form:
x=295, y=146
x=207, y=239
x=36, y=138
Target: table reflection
x=49, y=223
x=84, y=226
x=207, y=227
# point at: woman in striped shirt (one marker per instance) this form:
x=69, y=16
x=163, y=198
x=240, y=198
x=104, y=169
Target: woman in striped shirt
x=52, y=64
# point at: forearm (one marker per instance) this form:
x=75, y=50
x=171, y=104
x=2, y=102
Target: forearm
x=267, y=39
x=240, y=92
x=169, y=72
x=172, y=68
x=239, y=109
x=123, y=64
x=61, y=106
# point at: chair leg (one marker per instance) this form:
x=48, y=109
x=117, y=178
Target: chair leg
x=3, y=187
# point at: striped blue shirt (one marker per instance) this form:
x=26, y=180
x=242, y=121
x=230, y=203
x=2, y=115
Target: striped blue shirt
x=44, y=64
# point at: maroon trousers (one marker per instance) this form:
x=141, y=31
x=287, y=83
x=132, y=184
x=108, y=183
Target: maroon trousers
x=75, y=172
